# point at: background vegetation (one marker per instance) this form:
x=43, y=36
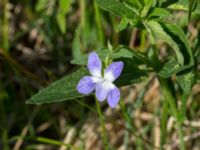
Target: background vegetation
x=38, y=41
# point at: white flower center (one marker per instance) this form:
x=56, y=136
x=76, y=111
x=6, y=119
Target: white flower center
x=108, y=84
x=109, y=76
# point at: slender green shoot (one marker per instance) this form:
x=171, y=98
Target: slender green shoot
x=171, y=100
x=54, y=142
x=102, y=122
x=98, y=22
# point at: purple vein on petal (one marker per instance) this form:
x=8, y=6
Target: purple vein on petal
x=86, y=85
x=94, y=64
x=113, y=71
x=102, y=90
x=113, y=97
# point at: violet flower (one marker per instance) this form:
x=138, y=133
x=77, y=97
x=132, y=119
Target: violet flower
x=101, y=84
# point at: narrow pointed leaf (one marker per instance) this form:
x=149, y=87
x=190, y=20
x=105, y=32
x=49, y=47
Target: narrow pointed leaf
x=176, y=39
x=63, y=89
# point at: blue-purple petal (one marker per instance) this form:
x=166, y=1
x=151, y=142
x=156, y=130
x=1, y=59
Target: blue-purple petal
x=113, y=71
x=113, y=97
x=102, y=90
x=94, y=64
x=86, y=85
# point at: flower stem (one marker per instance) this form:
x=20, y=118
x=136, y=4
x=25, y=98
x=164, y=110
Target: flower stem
x=171, y=100
x=102, y=122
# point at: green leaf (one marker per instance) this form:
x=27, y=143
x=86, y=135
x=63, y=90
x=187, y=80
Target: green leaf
x=63, y=9
x=197, y=7
x=64, y=6
x=193, y=6
x=131, y=74
x=159, y=12
x=169, y=68
x=190, y=9
x=41, y=5
x=176, y=38
x=166, y=3
x=125, y=52
x=149, y=2
x=181, y=40
x=76, y=45
x=116, y=7
x=61, y=22
x=178, y=7
x=160, y=33
x=122, y=25
x=145, y=11
x=63, y=89
x=134, y=5
x=147, y=6
x=185, y=77
x=186, y=80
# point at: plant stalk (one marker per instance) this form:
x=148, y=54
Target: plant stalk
x=168, y=96
x=102, y=122
x=98, y=23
